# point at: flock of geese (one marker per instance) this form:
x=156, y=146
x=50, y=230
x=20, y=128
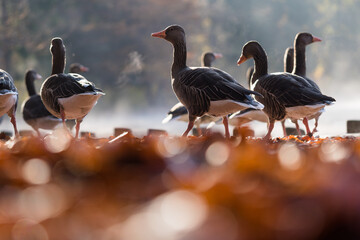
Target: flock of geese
x=205, y=94
x=272, y=96
x=62, y=96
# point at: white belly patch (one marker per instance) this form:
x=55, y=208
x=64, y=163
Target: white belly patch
x=7, y=101
x=225, y=107
x=78, y=106
x=257, y=115
x=300, y=112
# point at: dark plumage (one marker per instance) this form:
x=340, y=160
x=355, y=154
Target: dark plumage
x=8, y=97
x=34, y=112
x=204, y=90
x=67, y=96
x=289, y=60
x=179, y=111
x=249, y=73
x=285, y=94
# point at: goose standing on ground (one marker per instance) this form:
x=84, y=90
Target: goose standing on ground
x=300, y=42
x=8, y=98
x=67, y=96
x=285, y=94
x=204, y=90
x=178, y=111
x=34, y=112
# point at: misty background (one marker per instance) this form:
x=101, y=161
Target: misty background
x=112, y=38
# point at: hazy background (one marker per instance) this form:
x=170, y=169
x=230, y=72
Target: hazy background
x=112, y=38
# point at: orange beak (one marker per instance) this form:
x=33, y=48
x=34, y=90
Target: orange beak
x=218, y=55
x=241, y=59
x=84, y=69
x=316, y=39
x=160, y=34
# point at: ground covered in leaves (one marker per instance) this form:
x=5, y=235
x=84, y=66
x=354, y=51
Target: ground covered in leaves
x=164, y=187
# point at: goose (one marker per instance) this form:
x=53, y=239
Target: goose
x=33, y=110
x=285, y=95
x=179, y=111
x=301, y=40
x=204, y=91
x=67, y=96
x=8, y=98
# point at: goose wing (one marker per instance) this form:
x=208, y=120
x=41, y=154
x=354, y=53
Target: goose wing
x=6, y=83
x=64, y=86
x=290, y=90
x=199, y=86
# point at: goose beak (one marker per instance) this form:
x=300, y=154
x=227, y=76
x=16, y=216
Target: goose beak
x=218, y=55
x=84, y=69
x=316, y=39
x=241, y=59
x=160, y=34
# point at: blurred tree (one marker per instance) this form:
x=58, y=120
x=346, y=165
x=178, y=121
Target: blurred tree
x=109, y=36
x=12, y=13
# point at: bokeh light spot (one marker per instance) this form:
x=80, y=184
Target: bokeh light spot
x=289, y=156
x=42, y=202
x=27, y=229
x=58, y=141
x=333, y=152
x=170, y=147
x=183, y=210
x=217, y=153
x=36, y=171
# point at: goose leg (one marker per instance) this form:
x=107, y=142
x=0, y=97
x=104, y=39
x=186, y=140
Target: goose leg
x=226, y=125
x=297, y=128
x=13, y=121
x=37, y=132
x=62, y=114
x=316, y=125
x=11, y=114
x=190, y=125
x=63, y=119
x=306, y=123
x=77, y=127
x=283, y=127
x=271, y=127
x=198, y=127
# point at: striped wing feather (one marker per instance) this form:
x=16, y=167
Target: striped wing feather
x=196, y=87
x=287, y=90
